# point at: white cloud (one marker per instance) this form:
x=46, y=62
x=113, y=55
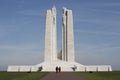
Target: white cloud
x=6, y=29
x=113, y=4
x=32, y=12
x=106, y=11
x=2, y=32
x=98, y=32
x=97, y=54
x=18, y=47
x=100, y=4
x=106, y=21
x=20, y=54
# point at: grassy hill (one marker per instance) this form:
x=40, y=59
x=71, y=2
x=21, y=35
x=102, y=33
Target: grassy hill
x=21, y=76
x=115, y=75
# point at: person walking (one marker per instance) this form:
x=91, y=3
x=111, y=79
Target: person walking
x=56, y=69
x=59, y=69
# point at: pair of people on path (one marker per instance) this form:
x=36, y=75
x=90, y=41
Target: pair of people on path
x=58, y=69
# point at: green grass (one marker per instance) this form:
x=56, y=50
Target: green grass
x=22, y=75
x=115, y=75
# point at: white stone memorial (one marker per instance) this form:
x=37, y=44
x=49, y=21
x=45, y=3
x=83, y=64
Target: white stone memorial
x=66, y=58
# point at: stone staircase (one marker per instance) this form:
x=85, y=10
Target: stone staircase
x=65, y=66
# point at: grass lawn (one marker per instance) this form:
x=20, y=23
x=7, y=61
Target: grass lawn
x=115, y=75
x=21, y=75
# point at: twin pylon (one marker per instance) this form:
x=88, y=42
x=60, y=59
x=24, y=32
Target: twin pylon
x=67, y=51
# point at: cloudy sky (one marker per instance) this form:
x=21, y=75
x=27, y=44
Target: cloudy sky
x=96, y=31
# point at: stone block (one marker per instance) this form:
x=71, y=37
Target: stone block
x=25, y=68
x=13, y=69
x=103, y=68
x=91, y=68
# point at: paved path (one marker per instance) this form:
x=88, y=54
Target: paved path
x=62, y=76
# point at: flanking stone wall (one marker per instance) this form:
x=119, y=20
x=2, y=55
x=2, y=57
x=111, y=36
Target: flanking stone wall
x=93, y=68
x=13, y=69
x=34, y=68
x=22, y=69
x=25, y=68
x=104, y=68
x=98, y=68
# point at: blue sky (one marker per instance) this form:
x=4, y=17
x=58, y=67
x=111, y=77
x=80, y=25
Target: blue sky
x=96, y=31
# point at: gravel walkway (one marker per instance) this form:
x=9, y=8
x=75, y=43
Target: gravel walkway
x=62, y=76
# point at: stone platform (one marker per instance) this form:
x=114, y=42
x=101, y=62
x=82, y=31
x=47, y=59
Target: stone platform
x=65, y=67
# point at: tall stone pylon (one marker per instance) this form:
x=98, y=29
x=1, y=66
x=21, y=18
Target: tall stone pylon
x=50, y=36
x=67, y=36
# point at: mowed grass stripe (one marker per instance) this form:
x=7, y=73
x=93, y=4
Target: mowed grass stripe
x=115, y=75
x=22, y=75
